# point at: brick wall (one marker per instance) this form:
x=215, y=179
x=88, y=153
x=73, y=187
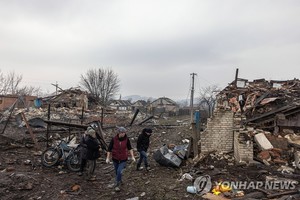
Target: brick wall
x=218, y=136
x=243, y=147
x=7, y=101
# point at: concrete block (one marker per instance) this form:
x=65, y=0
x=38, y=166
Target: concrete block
x=262, y=141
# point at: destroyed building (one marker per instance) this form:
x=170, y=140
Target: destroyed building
x=120, y=105
x=141, y=105
x=163, y=105
x=269, y=105
x=250, y=115
x=68, y=98
x=7, y=100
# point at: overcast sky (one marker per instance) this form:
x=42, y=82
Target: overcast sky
x=154, y=45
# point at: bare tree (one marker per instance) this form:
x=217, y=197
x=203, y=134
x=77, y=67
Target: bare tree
x=2, y=83
x=207, y=99
x=13, y=81
x=9, y=83
x=102, y=84
x=29, y=90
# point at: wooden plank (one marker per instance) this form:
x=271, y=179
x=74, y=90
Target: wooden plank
x=66, y=124
x=37, y=146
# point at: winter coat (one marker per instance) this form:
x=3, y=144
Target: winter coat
x=119, y=148
x=143, y=142
x=89, y=147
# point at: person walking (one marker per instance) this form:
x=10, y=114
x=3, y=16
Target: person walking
x=89, y=152
x=142, y=147
x=118, y=149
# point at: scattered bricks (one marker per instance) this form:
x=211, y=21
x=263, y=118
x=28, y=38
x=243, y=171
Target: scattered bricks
x=279, y=161
x=277, y=150
x=278, y=143
x=264, y=155
x=274, y=154
x=10, y=169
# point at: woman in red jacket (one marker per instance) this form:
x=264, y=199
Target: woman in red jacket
x=118, y=150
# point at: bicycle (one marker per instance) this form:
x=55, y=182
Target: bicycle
x=62, y=153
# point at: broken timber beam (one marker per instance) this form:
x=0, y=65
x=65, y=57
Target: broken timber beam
x=37, y=146
x=66, y=124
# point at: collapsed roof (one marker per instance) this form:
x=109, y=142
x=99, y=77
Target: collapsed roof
x=264, y=104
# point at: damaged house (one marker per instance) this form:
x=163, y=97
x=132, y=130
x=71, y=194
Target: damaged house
x=69, y=98
x=140, y=104
x=7, y=101
x=164, y=105
x=120, y=105
x=256, y=119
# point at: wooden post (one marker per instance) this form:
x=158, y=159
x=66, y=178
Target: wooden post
x=82, y=111
x=195, y=139
x=37, y=146
x=236, y=77
x=134, y=116
x=102, y=116
x=189, y=150
x=12, y=109
x=48, y=126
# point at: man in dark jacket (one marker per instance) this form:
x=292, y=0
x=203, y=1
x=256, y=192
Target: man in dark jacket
x=89, y=151
x=142, y=147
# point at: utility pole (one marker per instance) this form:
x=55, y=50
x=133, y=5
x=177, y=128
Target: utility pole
x=56, y=86
x=192, y=96
x=236, y=77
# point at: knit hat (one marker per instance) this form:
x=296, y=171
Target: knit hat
x=90, y=131
x=147, y=130
x=121, y=130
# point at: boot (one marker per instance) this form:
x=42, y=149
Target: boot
x=138, y=167
x=147, y=167
x=117, y=187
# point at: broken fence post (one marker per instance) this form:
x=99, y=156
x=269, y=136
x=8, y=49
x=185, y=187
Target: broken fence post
x=30, y=131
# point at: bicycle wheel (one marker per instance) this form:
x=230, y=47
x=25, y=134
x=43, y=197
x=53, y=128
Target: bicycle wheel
x=73, y=161
x=50, y=157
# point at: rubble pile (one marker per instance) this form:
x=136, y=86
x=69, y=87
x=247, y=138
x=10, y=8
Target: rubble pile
x=260, y=101
x=68, y=115
x=68, y=98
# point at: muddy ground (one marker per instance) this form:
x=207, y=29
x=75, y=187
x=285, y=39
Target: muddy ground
x=22, y=175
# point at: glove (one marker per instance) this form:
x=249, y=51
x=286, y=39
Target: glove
x=133, y=159
x=107, y=160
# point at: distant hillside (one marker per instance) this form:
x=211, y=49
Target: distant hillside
x=134, y=98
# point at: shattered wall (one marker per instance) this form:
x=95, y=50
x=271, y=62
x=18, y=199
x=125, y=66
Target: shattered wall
x=7, y=101
x=68, y=98
x=261, y=101
x=243, y=147
x=218, y=136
